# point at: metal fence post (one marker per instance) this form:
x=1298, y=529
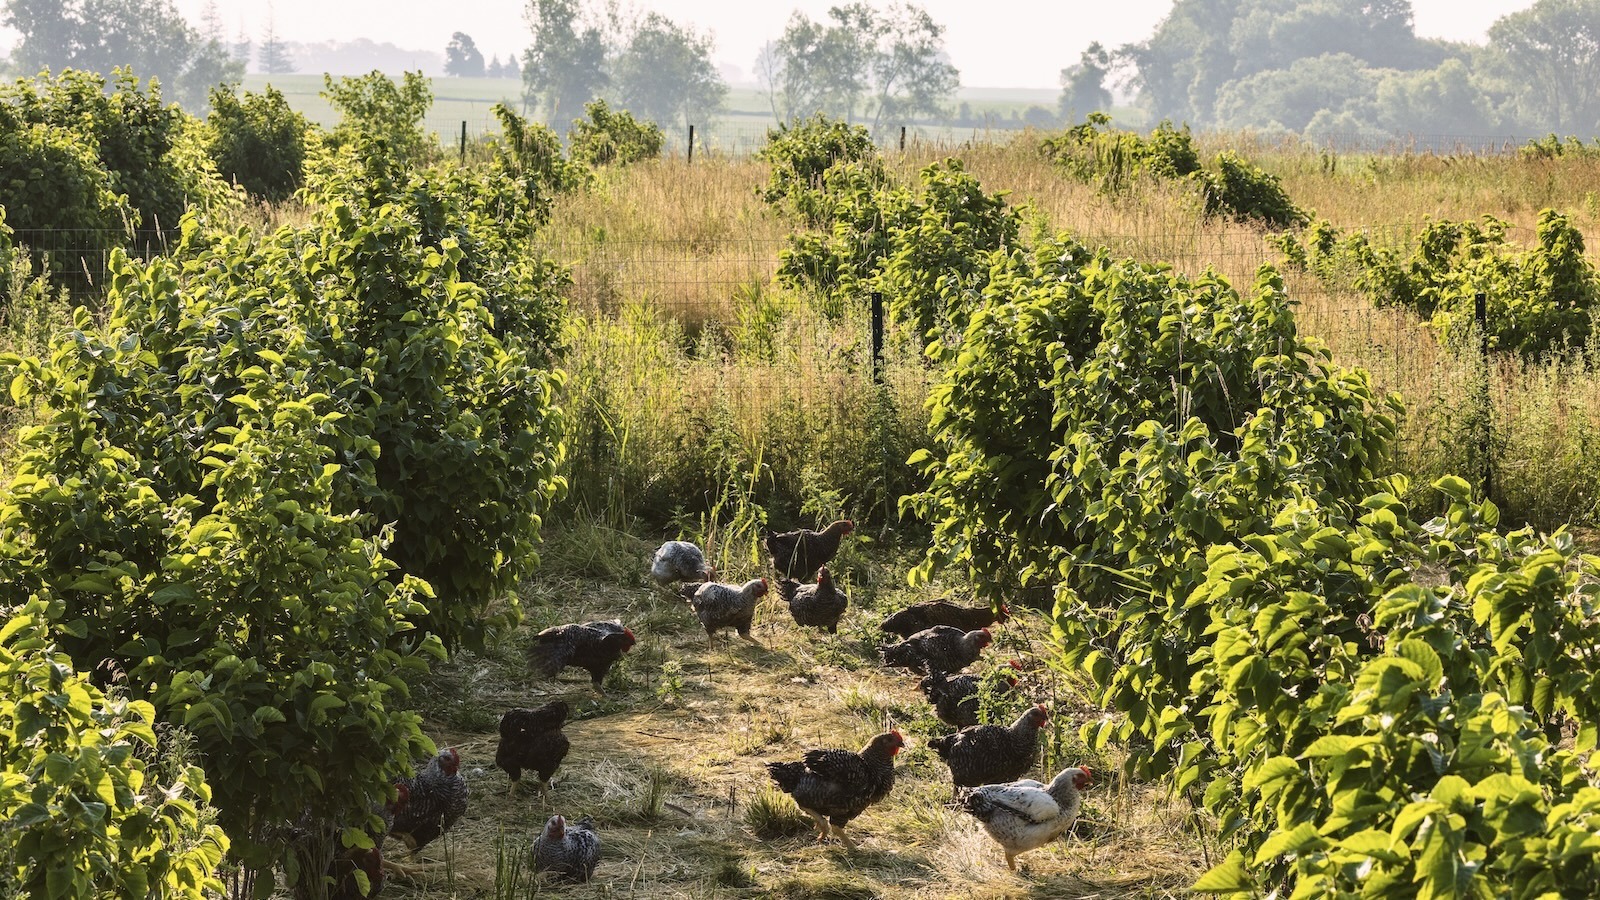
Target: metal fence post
x=1485, y=398
x=902, y=139
x=463, y=141
x=691, y=143
x=877, y=337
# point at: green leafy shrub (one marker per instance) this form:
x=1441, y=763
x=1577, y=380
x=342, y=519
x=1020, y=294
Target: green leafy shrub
x=257, y=141
x=530, y=153
x=801, y=154
x=58, y=198
x=1241, y=191
x=609, y=137
x=1538, y=300
x=374, y=107
x=86, y=813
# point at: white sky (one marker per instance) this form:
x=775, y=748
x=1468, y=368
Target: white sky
x=995, y=43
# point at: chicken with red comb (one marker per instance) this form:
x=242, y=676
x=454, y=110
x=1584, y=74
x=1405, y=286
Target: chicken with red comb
x=835, y=786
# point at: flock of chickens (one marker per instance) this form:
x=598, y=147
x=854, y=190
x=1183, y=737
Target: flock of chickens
x=833, y=786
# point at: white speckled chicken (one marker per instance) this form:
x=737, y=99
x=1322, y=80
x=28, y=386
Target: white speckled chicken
x=569, y=854
x=720, y=606
x=1025, y=815
x=835, y=786
x=435, y=798
x=680, y=561
x=820, y=605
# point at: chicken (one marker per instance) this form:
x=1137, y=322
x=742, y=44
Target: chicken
x=531, y=739
x=680, y=561
x=956, y=700
x=569, y=854
x=1025, y=815
x=720, y=606
x=940, y=647
x=312, y=844
x=593, y=646
x=921, y=616
x=991, y=754
x=346, y=884
x=835, y=786
x=435, y=798
x=797, y=555
x=819, y=604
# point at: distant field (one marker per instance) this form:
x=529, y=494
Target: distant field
x=742, y=127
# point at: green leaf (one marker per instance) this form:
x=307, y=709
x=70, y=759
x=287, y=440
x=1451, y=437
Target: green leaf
x=1287, y=843
x=1227, y=877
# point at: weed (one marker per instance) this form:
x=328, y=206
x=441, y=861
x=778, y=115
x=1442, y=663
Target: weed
x=773, y=814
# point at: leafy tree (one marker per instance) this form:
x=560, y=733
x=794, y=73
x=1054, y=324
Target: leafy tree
x=1553, y=47
x=462, y=57
x=493, y=69
x=1289, y=98
x=613, y=138
x=1445, y=100
x=665, y=74
x=372, y=106
x=510, y=69
x=1083, y=86
x=148, y=36
x=274, y=57
x=564, y=68
x=258, y=141
x=910, y=72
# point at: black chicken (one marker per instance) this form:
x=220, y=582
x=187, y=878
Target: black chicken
x=835, y=786
x=592, y=646
x=940, y=647
x=797, y=555
x=569, y=854
x=956, y=699
x=531, y=739
x=992, y=754
x=435, y=798
x=819, y=604
x=921, y=616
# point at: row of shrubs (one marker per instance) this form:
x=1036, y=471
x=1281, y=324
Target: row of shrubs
x=273, y=482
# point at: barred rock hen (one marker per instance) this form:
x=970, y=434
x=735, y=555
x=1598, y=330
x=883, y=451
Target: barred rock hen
x=925, y=615
x=569, y=854
x=797, y=555
x=1025, y=815
x=991, y=754
x=435, y=798
x=835, y=786
x=819, y=604
x=531, y=739
x=940, y=647
x=311, y=843
x=593, y=646
x=955, y=699
x=680, y=561
x=346, y=884
x=720, y=606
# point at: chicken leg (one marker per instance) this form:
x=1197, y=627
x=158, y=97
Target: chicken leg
x=838, y=831
x=822, y=826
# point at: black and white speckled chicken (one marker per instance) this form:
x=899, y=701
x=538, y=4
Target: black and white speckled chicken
x=720, y=606
x=940, y=647
x=797, y=555
x=991, y=754
x=835, y=786
x=957, y=700
x=568, y=854
x=1025, y=815
x=680, y=561
x=592, y=646
x=531, y=739
x=820, y=605
x=435, y=799
x=920, y=616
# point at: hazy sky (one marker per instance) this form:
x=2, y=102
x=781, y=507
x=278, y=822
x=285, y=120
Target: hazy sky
x=995, y=43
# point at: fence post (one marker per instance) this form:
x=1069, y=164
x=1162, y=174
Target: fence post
x=1485, y=398
x=902, y=139
x=877, y=337
x=691, y=143
x=463, y=141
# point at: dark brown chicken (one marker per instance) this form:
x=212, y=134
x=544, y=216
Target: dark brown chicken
x=820, y=605
x=346, y=884
x=592, y=646
x=531, y=739
x=992, y=754
x=925, y=615
x=940, y=647
x=957, y=700
x=720, y=606
x=835, y=786
x=797, y=555
x=435, y=798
